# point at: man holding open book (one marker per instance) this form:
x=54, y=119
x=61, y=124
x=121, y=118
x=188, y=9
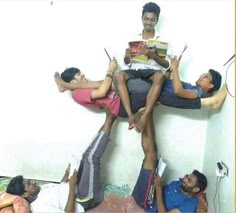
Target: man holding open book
x=147, y=58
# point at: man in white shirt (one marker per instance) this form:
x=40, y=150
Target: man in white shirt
x=80, y=192
x=150, y=70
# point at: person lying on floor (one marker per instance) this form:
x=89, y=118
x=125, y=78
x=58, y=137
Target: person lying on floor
x=178, y=196
x=99, y=93
x=83, y=187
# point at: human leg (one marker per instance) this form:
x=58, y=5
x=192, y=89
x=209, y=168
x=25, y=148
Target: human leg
x=153, y=94
x=215, y=101
x=89, y=186
x=143, y=192
x=121, y=79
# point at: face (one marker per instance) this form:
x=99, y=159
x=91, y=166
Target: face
x=79, y=77
x=204, y=81
x=189, y=183
x=149, y=21
x=31, y=188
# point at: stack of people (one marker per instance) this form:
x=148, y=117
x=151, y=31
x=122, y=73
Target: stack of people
x=126, y=93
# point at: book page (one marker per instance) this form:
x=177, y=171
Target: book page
x=161, y=167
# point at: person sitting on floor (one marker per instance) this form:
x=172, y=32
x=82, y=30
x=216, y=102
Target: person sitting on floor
x=61, y=197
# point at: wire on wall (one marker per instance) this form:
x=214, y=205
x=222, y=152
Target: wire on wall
x=217, y=196
x=226, y=74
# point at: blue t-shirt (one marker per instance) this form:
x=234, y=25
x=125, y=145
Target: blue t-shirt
x=168, y=87
x=175, y=199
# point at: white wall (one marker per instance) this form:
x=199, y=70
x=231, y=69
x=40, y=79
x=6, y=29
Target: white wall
x=220, y=146
x=40, y=127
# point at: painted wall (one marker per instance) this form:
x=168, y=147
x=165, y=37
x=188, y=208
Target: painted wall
x=220, y=146
x=41, y=128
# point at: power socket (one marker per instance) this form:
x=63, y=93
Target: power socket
x=222, y=170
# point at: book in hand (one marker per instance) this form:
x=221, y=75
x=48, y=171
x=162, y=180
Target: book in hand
x=161, y=167
x=137, y=55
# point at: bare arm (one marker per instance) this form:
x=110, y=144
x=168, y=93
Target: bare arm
x=160, y=202
x=107, y=82
x=70, y=205
x=168, y=72
x=63, y=86
x=177, y=84
x=127, y=56
x=152, y=53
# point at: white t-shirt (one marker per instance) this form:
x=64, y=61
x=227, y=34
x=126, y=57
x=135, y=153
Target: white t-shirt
x=53, y=198
x=150, y=64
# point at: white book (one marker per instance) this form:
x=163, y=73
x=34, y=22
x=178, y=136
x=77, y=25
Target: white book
x=161, y=167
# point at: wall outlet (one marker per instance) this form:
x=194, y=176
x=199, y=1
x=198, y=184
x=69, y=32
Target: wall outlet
x=222, y=170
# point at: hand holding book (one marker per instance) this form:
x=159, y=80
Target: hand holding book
x=142, y=51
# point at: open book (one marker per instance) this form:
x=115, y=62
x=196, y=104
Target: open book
x=160, y=46
x=161, y=167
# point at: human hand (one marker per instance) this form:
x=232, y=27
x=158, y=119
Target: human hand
x=127, y=53
x=112, y=66
x=174, y=63
x=73, y=180
x=149, y=52
x=158, y=182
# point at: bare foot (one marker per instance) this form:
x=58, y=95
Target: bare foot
x=215, y=101
x=59, y=82
x=132, y=122
x=220, y=97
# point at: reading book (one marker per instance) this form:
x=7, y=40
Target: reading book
x=137, y=55
x=161, y=167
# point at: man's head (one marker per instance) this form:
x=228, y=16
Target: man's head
x=72, y=75
x=194, y=183
x=23, y=187
x=210, y=81
x=150, y=16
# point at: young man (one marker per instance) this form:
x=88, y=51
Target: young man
x=176, y=197
x=82, y=89
x=206, y=84
x=152, y=69
x=61, y=197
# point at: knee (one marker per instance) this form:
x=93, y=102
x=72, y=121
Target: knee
x=120, y=77
x=150, y=152
x=151, y=156
x=158, y=78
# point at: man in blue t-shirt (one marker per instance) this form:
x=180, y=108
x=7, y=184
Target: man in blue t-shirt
x=176, y=197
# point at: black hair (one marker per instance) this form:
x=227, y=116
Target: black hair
x=216, y=80
x=201, y=180
x=151, y=7
x=68, y=74
x=16, y=186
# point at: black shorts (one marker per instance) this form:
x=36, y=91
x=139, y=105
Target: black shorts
x=141, y=73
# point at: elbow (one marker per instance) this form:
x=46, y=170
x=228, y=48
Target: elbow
x=178, y=92
x=101, y=94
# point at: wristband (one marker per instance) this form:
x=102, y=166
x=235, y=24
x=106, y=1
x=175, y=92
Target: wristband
x=109, y=75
